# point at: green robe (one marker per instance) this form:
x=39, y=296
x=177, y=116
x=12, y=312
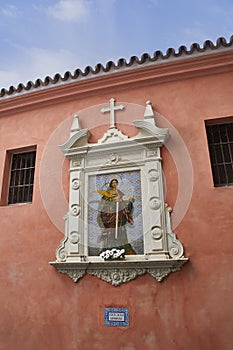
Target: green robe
x=107, y=217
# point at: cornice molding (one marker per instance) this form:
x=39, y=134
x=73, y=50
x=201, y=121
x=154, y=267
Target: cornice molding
x=139, y=76
x=119, y=272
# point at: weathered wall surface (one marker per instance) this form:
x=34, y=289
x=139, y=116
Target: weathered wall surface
x=191, y=309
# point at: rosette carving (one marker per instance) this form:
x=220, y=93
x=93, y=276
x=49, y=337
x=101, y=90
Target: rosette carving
x=74, y=237
x=153, y=175
x=155, y=203
x=75, y=209
x=156, y=232
x=117, y=276
x=75, y=184
x=113, y=159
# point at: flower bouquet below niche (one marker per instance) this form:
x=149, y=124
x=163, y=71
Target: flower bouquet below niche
x=113, y=254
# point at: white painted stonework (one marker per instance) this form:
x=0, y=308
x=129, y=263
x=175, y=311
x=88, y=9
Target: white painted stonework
x=163, y=252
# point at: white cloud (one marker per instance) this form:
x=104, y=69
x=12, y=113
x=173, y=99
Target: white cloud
x=46, y=62
x=37, y=63
x=10, y=11
x=69, y=10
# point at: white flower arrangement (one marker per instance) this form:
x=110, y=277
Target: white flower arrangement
x=113, y=254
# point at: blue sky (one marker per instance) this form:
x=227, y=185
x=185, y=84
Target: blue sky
x=40, y=38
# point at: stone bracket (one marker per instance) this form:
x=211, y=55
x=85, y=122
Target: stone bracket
x=118, y=272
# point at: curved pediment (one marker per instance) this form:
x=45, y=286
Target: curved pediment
x=146, y=128
x=78, y=139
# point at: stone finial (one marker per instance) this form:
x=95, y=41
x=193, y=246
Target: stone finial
x=75, y=125
x=149, y=113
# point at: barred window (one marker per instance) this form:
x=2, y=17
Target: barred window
x=22, y=177
x=220, y=140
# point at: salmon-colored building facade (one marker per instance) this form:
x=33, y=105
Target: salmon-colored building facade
x=189, y=309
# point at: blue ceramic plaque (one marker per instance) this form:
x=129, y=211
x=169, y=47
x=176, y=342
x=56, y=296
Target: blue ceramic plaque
x=118, y=317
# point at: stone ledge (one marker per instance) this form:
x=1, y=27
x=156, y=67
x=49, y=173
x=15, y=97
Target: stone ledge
x=118, y=272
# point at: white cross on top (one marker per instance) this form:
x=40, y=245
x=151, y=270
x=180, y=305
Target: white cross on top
x=112, y=108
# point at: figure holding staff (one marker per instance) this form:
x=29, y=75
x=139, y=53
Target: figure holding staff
x=115, y=211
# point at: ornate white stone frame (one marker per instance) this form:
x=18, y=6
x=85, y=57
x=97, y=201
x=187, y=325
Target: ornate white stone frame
x=163, y=252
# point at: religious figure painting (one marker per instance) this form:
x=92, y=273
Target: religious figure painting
x=115, y=213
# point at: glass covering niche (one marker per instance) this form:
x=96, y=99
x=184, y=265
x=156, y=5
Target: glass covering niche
x=115, y=213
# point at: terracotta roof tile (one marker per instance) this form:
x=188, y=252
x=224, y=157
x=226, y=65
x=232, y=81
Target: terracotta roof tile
x=195, y=48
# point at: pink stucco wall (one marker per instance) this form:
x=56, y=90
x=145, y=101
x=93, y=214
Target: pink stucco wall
x=190, y=309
